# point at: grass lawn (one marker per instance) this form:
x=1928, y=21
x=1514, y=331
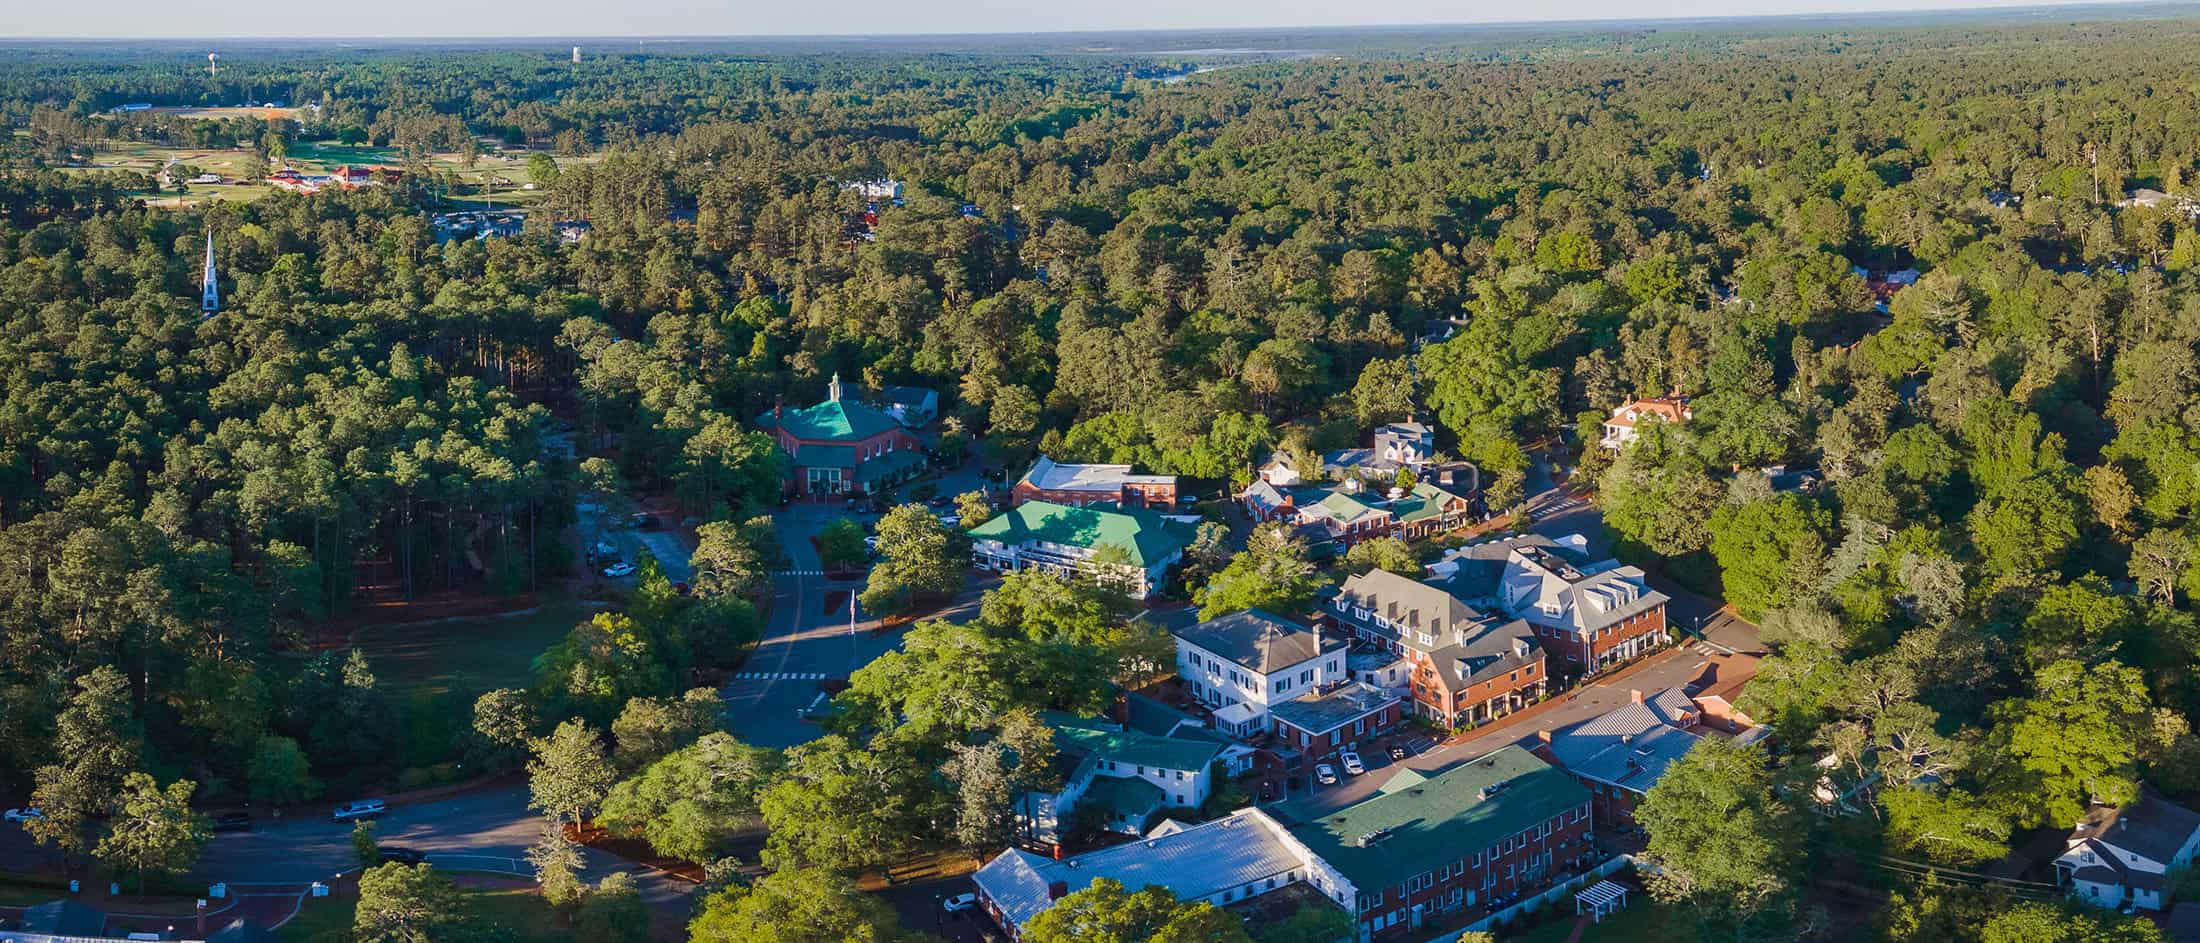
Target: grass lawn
x=23, y=890
x=492, y=180
x=1642, y=922
x=518, y=914
x=433, y=658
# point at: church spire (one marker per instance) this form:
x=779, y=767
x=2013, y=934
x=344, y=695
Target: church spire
x=210, y=300
x=832, y=392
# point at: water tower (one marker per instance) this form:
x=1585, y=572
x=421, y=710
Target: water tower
x=210, y=70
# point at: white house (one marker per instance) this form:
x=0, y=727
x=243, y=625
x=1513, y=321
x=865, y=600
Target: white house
x=1123, y=775
x=1141, y=546
x=1621, y=427
x=2119, y=856
x=1242, y=663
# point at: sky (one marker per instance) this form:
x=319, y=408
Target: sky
x=610, y=18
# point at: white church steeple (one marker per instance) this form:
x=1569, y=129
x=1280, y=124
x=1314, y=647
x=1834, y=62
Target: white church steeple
x=210, y=300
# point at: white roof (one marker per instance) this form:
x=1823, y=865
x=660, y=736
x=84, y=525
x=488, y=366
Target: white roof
x=1049, y=475
x=1194, y=863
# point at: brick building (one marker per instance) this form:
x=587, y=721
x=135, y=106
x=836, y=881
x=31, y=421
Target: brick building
x=841, y=446
x=1080, y=485
x=1589, y=615
x=1467, y=666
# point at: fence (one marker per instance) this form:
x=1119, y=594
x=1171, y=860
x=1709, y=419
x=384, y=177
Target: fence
x=1556, y=895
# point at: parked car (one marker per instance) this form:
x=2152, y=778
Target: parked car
x=618, y=570
x=233, y=822
x=24, y=814
x=1187, y=500
x=959, y=903
x=1325, y=774
x=951, y=520
x=360, y=809
x=1397, y=751
x=941, y=501
x=606, y=549
x=1352, y=762
x=643, y=521
x=400, y=855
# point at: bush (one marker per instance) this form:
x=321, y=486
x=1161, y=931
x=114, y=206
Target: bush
x=446, y=773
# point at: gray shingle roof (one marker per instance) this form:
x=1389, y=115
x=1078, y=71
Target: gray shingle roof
x=2152, y=826
x=1258, y=640
x=1195, y=863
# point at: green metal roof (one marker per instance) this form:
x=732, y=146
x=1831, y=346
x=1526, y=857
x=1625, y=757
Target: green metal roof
x=825, y=456
x=1100, y=739
x=835, y=420
x=1347, y=507
x=1148, y=538
x=1133, y=798
x=1426, y=501
x=889, y=464
x=1421, y=827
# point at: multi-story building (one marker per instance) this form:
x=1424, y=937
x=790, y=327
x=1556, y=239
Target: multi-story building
x=1081, y=485
x=1467, y=666
x=1505, y=824
x=1132, y=549
x=1122, y=776
x=1242, y=663
x=1627, y=418
x=1588, y=615
x=1331, y=518
x=1426, y=848
x=2129, y=855
x=1392, y=447
x=841, y=446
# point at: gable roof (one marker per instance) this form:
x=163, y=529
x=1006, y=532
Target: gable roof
x=2151, y=826
x=1426, y=501
x=1348, y=508
x=64, y=918
x=1665, y=408
x=1258, y=640
x=1149, y=538
x=834, y=420
x=1193, y=863
x=1385, y=839
x=1099, y=739
x=1411, y=606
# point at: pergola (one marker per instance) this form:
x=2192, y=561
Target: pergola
x=1600, y=900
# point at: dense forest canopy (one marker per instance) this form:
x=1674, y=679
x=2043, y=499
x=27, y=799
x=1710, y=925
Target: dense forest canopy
x=1109, y=257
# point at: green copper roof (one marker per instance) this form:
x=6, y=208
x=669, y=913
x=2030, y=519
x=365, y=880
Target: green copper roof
x=1100, y=740
x=1426, y=501
x=1130, y=797
x=1148, y=538
x=1348, y=507
x=835, y=420
x=1441, y=820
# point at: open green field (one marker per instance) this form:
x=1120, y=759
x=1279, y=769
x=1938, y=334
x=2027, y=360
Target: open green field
x=499, y=180
x=518, y=914
x=434, y=658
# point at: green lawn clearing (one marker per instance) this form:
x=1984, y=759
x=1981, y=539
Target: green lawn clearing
x=517, y=915
x=1644, y=921
x=471, y=654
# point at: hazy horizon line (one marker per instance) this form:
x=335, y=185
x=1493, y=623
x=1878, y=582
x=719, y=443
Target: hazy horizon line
x=1987, y=7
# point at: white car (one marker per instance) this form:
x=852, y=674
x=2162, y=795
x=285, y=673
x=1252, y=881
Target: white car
x=24, y=814
x=951, y=520
x=617, y=570
x=1352, y=762
x=1325, y=774
x=959, y=903
x=361, y=809
x=871, y=542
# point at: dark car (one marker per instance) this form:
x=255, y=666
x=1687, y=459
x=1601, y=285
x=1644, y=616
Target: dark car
x=393, y=854
x=233, y=822
x=940, y=501
x=1397, y=751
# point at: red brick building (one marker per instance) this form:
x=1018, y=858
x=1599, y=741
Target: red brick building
x=1081, y=485
x=843, y=447
x=1467, y=666
x=1321, y=724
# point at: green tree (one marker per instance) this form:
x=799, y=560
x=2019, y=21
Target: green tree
x=613, y=912
x=2072, y=743
x=797, y=905
x=1771, y=553
x=557, y=862
x=1108, y=911
x=725, y=563
x=1951, y=828
x=1272, y=573
x=410, y=904
x=504, y=722
x=921, y=557
x=650, y=728
x=1659, y=494
x=844, y=807
x=364, y=844
x=279, y=774
x=97, y=742
x=1383, y=553
x=153, y=829
x=542, y=169
x=570, y=775
x=840, y=545
x=1723, y=842
x=692, y=803
x=973, y=508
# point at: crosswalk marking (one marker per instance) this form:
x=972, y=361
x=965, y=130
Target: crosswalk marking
x=781, y=676
x=799, y=573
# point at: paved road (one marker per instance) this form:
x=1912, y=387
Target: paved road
x=486, y=830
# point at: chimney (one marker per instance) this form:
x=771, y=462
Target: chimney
x=1634, y=696
x=1057, y=890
